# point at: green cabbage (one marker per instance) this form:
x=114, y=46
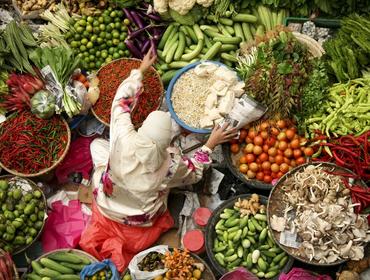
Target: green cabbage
x=191, y=18
x=43, y=104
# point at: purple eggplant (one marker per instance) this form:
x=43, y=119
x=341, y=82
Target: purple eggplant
x=137, y=32
x=138, y=43
x=128, y=15
x=150, y=16
x=133, y=49
x=146, y=46
x=137, y=20
x=153, y=45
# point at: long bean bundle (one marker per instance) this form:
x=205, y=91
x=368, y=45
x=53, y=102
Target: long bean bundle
x=29, y=145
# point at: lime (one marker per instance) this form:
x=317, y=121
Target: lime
x=123, y=36
x=108, y=59
x=100, y=40
x=77, y=37
x=107, y=19
x=92, y=57
x=76, y=25
x=109, y=9
x=126, y=21
x=90, y=19
x=68, y=35
x=109, y=28
x=86, y=59
x=116, y=55
x=127, y=53
x=95, y=23
x=121, y=46
x=111, y=50
x=109, y=36
x=84, y=41
x=92, y=51
x=84, y=17
x=102, y=27
x=98, y=64
x=112, y=25
x=89, y=28
x=86, y=54
x=79, y=29
x=94, y=38
x=96, y=30
x=92, y=65
x=115, y=42
x=103, y=46
x=119, y=13
x=104, y=54
x=82, y=22
x=113, y=14
x=100, y=19
x=121, y=52
x=98, y=53
x=118, y=25
x=117, y=19
x=74, y=44
x=89, y=45
x=109, y=43
x=86, y=34
x=82, y=48
x=102, y=35
x=115, y=34
x=123, y=28
x=80, y=55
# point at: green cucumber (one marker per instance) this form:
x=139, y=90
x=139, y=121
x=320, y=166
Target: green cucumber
x=244, y=18
x=49, y=273
x=165, y=36
x=48, y=263
x=227, y=40
x=181, y=47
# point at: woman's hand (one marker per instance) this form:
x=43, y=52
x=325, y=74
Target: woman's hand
x=148, y=60
x=221, y=135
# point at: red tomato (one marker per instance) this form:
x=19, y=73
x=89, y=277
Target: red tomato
x=234, y=141
x=290, y=133
x=258, y=161
x=287, y=161
x=273, y=175
x=267, y=179
x=234, y=148
x=295, y=144
x=264, y=126
x=250, y=158
x=243, y=134
x=281, y=124
x=270, y=141
x=280, y=174
x=275, y=167
x=275, y=131
x=251, y=174
x=271, y=159
x=257, y=150
x=293, y=163
x=282, y=136
x=279, y=159
x=266, y=165
x=264, y=134
x=263, y=157
x=252, y=133
x=249, y=148
x=288, y=153
x=243, y=168
x=308, y=151
x=248, y=140
x=265, y=148
x=280, y=152
x=259, y=176
x=300, y=160
x=258, y=141
x=283, y=145
x=272, y=152
x=297, y=153
x=243, y=160
x=253, y=166
x=284, y=167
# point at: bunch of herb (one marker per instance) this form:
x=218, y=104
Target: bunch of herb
x=276, y=73
x=314, y=93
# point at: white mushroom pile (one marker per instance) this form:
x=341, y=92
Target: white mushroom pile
x=322, y=216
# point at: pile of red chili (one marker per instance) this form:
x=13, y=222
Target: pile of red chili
x=111, y=76
x=350, y=152
x=29, y=144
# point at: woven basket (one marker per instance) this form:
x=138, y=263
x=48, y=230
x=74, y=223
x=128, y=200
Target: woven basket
x=15, y=275
x=133, y=109
x=46, y=170
x=34, y=187
x=314, y=48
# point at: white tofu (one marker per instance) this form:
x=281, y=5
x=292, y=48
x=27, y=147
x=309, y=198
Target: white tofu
x=226, y=103
x=206, y=122
x=214, y=114
x=205, y=69
x=239, y=89
x=211, y=101
x=224, y=74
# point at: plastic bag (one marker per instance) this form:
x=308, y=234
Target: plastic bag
x=64, y=226
x=93, y=268
x=301, y=274
x=107, y=239
x=137, y=274
x=77, y=160
x=239, y=274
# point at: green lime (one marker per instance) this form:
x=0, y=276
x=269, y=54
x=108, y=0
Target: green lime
x=111, y=50
x=109, y=36
x=115, y=42
x=89, y=28
x=126, y=21
x=115, y=34
x=103, y=35
x=76, y=25
x=86, y=34
x=89, y=45
x=95, y=23
x=116, y=55
x=84, y=17
x=90, y=19
x=112, y=25
x=92, y=57
x=121, y=52
x=77, y=37
x=121, y=46
x=82, y=22
x=92, y=65
x=94, y=38
x=102, y=27
x=113, y=14
x=86, y=54
x=109, y=43
x=109, y=28
x=100, y=40
x=104, y=54
x=109, y=9
x=107, y=19
x=96, y=30
x=119, y=13
x=80, y=55
x=103, y=46
x=108, y=59
x=92, y=51
x=80, y=29
x=117, y=19
x=82, y=48
x=127, y=53
x=123, y=36
x=98, y=53
x=87, y=59
x=74, y=44
x=124, y=28
x=100, y=19
x=68, y=35
x=84, y=41
x=118, y=25
x=98, y=64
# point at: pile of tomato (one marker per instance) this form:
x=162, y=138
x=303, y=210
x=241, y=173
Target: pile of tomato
x=269, y=150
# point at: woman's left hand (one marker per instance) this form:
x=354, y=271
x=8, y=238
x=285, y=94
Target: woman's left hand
x=148, y=60
x=221, y=135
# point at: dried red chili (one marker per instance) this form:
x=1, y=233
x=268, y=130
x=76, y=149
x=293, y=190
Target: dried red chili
x=111, y=77
x=29, y=145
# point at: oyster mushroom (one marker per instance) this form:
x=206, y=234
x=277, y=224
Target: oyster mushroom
x=277, y=223
x=344, y=250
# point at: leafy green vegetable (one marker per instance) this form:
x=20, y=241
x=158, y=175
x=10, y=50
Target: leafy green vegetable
x=191, y=18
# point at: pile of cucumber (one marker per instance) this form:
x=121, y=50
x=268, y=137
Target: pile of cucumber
x=247, y=241
x=58, y=266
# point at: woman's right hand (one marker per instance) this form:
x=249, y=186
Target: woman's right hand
x=148, y=60
x=221, y=135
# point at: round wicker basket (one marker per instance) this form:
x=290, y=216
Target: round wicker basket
x=15, y=274
x=34, y=187
x=46, y=170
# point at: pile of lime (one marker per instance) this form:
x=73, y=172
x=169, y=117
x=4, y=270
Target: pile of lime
x=99, y=39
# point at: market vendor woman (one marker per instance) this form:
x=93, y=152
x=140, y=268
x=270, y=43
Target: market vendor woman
x=133, y=175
